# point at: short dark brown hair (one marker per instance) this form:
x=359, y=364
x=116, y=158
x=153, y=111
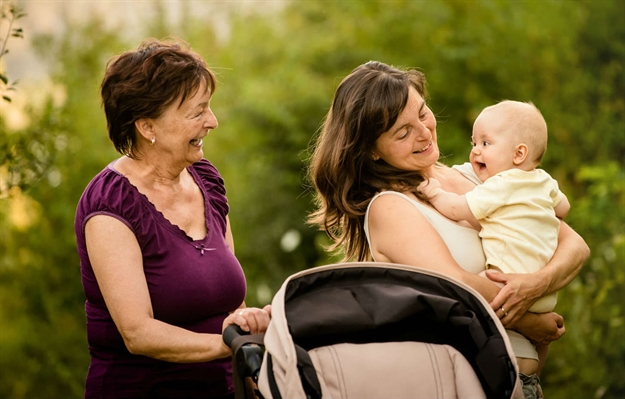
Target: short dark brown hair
x=144, y=82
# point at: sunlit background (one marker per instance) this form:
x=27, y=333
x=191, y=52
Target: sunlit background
x=278, y=64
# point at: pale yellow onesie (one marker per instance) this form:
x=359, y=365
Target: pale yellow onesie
x=519, y=226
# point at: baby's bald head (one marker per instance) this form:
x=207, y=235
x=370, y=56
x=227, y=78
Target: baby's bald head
x=523, y=122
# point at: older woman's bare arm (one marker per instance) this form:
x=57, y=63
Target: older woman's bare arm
x=522, y=290
x=118, y=266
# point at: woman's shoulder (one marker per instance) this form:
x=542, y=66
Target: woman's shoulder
x=209, y=176
x=393, y=196
x=390, y=192
x=467, y=171
x=212, y=184
x=109, y=193
x=107, y=186
x=393, y=200
x=205, y=167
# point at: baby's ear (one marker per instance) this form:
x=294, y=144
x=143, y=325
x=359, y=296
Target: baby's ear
x=520, y=153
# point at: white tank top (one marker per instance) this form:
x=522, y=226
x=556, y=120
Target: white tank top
x=463, y=242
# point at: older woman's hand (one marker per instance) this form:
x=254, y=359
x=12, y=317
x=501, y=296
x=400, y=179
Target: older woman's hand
x=252, y=320
x=519, y=293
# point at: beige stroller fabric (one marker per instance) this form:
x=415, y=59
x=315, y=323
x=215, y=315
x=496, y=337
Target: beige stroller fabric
x=346, y=370
x=372, y=370
x=279, y=343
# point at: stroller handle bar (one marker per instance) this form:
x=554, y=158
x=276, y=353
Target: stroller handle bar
x=231, y=332
x=247, y=353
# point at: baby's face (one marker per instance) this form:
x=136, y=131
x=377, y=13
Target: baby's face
x=493, y=147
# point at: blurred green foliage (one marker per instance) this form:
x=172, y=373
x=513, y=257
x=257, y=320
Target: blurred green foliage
x=9, y=14
x=278, y=72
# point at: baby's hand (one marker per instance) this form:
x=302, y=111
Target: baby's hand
x=430, y=188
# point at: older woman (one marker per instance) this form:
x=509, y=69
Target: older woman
x=377, y=144
x=154, y=240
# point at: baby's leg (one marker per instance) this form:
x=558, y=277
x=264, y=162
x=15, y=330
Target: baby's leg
x=527, y=366
x=543, y=351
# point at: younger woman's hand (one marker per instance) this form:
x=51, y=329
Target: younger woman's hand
x=519, y=293
x=541, y=328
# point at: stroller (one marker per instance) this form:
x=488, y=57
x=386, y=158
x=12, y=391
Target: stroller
x=375, y=330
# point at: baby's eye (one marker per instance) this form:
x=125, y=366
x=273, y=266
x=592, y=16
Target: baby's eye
x=473, y=144
x=486, y=143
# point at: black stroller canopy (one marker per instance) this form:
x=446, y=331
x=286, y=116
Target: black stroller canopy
x=366, y=303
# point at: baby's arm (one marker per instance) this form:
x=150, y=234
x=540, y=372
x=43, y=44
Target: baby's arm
x=450, y=205
x=563, y=208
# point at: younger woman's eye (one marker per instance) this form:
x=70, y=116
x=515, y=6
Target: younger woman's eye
x=425, y=112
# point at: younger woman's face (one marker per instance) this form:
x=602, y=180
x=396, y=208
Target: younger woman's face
x=410, y=144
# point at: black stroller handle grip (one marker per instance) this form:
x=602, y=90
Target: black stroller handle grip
x=231, y=332
x=247, y=353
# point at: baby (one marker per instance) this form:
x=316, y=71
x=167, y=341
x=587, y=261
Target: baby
x=517, y=208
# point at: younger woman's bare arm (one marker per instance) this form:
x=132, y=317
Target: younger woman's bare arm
x=401, y=234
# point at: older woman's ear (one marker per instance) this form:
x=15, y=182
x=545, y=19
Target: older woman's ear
x=144, y=127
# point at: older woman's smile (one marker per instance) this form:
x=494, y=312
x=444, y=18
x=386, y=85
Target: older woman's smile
x=197, y=142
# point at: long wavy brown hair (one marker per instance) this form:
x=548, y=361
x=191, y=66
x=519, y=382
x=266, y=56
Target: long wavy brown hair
x=342, y=171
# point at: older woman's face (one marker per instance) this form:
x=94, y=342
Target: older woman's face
x=410, y=144
x=180, y=130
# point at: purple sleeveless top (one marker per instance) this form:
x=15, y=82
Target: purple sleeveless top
x=192, y=284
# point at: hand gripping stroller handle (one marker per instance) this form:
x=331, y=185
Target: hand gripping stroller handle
x=247, y=354
x=231, y=332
